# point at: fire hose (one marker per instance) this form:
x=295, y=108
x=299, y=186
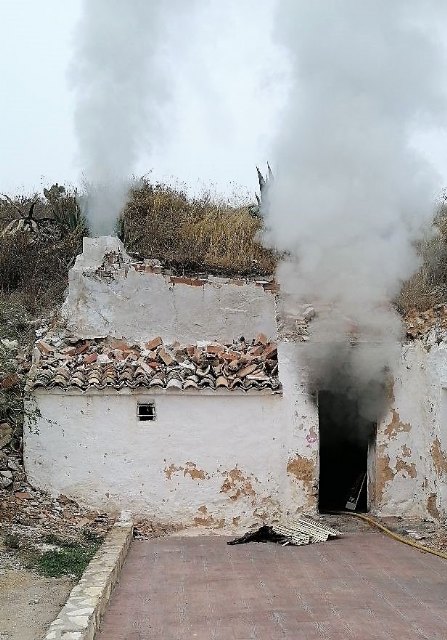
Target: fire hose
x=392, y=534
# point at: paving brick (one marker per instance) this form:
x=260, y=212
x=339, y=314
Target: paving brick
x=362, y=587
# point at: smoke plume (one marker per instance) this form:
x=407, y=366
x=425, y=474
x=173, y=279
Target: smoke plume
x=120, y=90
x=351, y=193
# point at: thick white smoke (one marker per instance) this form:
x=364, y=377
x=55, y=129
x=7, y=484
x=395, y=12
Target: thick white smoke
x=119, y=92
x=351, y=193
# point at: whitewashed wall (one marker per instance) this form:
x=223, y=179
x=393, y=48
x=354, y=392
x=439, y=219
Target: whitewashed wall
x=411, y=463
x=138, y=305
x=300, y=490
x=214, y=459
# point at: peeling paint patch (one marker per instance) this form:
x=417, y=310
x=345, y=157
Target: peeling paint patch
x=406, y=451
x=204, y=519
x=236, y=485
x=384, y=473
x=262, y=515
x=390, y=390
x=396, y=426
x=407, y=467
x=432, y=507
x=190, y=469
x=304, y=470
x=195, y=473
x=169, y=471
x=311, y=436
x=439, y=457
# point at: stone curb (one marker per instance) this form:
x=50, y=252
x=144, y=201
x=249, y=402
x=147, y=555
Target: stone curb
x=80, y=617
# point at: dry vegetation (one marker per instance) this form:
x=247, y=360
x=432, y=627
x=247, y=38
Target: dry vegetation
x=199, y=235
x=34, y=268
x=194, y=234
x=428, y=286
x=185, y=234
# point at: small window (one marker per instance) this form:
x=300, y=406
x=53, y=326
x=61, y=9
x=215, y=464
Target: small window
x=146, y=411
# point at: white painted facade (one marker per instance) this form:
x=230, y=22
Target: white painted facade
x=214, y=458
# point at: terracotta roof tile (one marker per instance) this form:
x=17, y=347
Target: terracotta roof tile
x=101, y=364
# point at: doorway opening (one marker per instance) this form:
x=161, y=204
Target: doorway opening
x=345, y=440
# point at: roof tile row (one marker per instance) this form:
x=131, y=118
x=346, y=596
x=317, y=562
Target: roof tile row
x=101, y=364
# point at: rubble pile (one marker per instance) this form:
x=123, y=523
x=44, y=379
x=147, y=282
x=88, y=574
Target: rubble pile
x=11, y=466
x=293, y=323
x=24, y=511
x=145, y=529
x=429, y=326
x=33, y=514
x=67, y=362
x=14, y=367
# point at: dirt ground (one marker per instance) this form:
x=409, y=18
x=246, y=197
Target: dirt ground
x=28, y=601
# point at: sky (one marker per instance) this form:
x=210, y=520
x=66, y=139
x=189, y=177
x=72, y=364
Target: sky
x=228, y=83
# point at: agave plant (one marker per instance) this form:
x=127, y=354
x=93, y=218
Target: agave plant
x=256, y=210
x=67, y=213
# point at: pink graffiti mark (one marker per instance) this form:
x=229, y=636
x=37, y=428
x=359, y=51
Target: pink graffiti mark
x=311, y=438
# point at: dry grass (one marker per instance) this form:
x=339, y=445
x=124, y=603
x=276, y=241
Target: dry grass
x=185, y=234
x=34, y=270
x=416, y=293
x=194, y=234
x=428, y=286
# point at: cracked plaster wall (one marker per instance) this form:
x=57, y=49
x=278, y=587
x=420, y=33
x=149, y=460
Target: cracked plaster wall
x=408, y=465
x=411, y=454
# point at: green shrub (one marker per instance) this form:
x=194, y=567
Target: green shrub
x=66, y=561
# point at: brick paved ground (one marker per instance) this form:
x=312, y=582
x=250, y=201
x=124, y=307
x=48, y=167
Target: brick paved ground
x=362, y=587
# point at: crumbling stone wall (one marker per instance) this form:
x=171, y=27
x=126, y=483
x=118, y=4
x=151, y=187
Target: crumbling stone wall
x=118, y=297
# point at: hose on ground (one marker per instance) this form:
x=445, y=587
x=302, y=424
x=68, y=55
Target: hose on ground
x=391, y=534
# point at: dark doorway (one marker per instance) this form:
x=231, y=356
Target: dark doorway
x=344, y=443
